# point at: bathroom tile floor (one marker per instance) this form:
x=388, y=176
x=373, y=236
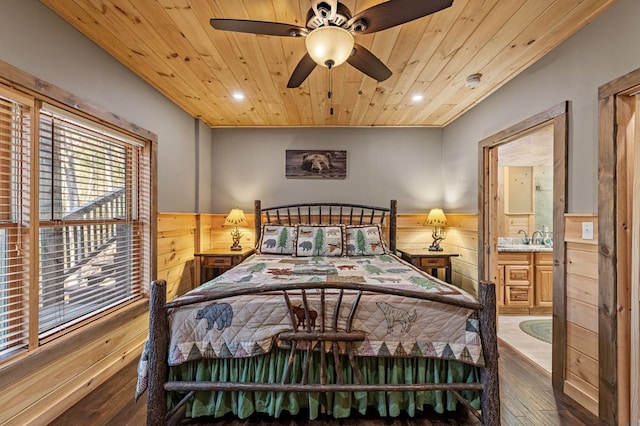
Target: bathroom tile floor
x=536, y=350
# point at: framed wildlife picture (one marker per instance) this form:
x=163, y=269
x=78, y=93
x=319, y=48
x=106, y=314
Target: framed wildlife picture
x=315, y=164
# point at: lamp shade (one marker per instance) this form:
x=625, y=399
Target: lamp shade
x=329, y=46
x=235, y=217
x=436, y=217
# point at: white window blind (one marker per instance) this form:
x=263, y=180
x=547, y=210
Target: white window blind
x=15, y=142
x=91, y=187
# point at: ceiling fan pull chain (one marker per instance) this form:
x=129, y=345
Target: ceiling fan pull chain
x=330, y=93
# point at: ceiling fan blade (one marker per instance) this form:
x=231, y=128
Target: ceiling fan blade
x=396, y=12
x=258, y=27
x=368, y=63
x=302, y=71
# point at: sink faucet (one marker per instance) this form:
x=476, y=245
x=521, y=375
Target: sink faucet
x=535, y=240
x=526, y=237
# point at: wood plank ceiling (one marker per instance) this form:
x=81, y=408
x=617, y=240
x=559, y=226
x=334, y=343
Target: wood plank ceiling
x=171, y=45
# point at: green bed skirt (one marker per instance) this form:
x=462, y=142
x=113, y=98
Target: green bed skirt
x=268, y=368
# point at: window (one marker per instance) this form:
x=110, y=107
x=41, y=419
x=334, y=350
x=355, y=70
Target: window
x=74, y=206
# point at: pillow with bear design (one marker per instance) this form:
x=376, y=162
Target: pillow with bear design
x=276, y=239
x=365, y=240
x=319, y=240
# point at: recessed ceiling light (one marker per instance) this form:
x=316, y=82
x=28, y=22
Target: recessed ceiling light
x=417, y=98
x=238, y=96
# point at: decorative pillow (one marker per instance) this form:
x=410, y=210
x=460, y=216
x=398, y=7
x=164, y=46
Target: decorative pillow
x=277, y=239
x=319, y=240
x=364, y=240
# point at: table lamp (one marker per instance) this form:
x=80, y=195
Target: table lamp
x=438, y=220
x=235, y=218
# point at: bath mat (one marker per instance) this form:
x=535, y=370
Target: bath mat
x=540, y=329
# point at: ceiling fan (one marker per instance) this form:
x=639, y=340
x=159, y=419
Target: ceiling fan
x=329, y=32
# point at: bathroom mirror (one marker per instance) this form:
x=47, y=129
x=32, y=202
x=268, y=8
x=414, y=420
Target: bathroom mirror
x=525, y=184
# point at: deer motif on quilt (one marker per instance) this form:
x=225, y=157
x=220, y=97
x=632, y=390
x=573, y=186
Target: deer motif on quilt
x=394, y=314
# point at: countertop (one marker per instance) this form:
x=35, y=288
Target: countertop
x=518, y=245
x=525, y=248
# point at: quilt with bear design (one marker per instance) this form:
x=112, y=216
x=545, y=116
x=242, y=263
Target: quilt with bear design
x=394, y=326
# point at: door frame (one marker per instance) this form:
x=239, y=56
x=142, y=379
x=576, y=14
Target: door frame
x=619, y=343
x=488, y=220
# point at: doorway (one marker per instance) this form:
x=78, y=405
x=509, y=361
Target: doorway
x=490, y=219
x=524, y=198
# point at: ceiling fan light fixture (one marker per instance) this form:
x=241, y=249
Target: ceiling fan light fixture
x=329, y=46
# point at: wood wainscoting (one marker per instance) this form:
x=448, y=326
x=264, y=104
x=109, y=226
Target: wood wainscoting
x=39, y=387
x=461, y=238
x=581, y=373
x=176, y=245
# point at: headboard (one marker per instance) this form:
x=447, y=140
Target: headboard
x=328, y=213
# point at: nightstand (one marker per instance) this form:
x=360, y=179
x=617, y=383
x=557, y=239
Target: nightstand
x=214, y=262
x=429, y=261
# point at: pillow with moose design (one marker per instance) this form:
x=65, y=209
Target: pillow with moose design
x=364, y=240
x=276, y=239
x=319, y=240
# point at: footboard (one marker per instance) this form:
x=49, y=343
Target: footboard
x=317, y=331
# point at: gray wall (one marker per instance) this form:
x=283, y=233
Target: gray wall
x=37, y=41
x=602, y=51
x=204, y=196
x=382, y=164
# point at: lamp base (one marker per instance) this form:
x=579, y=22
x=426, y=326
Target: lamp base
x=435, y=244
x=235, y=240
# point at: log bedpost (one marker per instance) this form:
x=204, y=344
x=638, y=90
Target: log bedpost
x=257, y=210
x=158, y=353
x=490, y=403
x=393, y=212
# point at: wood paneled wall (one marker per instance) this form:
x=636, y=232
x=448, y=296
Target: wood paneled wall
x=462, y=238
x=39, y=387
x=581, y=376
x=177, y=242
x=214, y=235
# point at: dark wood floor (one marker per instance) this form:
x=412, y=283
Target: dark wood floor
x=526, y=399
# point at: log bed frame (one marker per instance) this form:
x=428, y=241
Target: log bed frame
x=325, y=331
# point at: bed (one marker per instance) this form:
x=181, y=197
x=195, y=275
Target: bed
x=324, y=318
